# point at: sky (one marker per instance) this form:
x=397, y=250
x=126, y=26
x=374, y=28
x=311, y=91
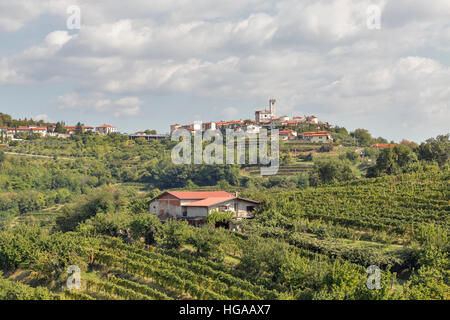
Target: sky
x=140, y=64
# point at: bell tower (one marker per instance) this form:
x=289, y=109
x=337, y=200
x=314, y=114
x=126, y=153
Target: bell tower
x=272, y=107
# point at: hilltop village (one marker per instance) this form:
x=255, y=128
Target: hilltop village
x=291, y=128
x=268, y=119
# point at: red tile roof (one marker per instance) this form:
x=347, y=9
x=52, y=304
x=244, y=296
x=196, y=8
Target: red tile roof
x=207, y=202
x=383, y=145
x=318, y=133
x=199, y=195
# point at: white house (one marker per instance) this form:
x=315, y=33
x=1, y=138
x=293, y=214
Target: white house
x=251, y=128
x=106, y=129
x=319, y=136
x=288, y=135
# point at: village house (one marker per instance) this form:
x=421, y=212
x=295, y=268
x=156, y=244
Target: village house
x=208, y=126
x=174, y=127
x=29, y=129
x=319, y=136
x=144, y=135
x=195, y=206
x=88, y=129
x=251, y=128
x=288, y=135
x=312, y=120
x=106, y=129
x=72, y=129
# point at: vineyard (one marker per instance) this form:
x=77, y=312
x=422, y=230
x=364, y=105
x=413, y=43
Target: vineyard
x=311, y=239
x=394, y=204
x=284, y=170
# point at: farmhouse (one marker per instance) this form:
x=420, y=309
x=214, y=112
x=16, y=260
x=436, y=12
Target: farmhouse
x=319, y=136
x=194, y=206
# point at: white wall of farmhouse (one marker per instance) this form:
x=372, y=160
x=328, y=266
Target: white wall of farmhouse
x=167, y=204
x=194, y=212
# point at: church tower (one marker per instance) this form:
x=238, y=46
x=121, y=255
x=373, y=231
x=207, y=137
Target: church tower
x=272, y=107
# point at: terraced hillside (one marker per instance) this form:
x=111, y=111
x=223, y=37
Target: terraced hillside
x=392, y=203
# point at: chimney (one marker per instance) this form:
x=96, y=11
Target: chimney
x=236, y=194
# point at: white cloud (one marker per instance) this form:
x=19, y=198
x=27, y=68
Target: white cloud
x=43, y=117
x=229, y=113
x=127, y=106
x=14, y=15
x=314, y=56
x=9, y=75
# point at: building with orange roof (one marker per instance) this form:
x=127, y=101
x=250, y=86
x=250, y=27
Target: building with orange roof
x=317, y=136
x=195, y=206
x=106, y=129
x=288, y=134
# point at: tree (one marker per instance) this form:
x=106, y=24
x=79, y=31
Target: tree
x=219, y=217
x=331, y=170
x=263, y=256
x=410, y=144
x=2, y=156
x=362, y=136
x=435, y=150
x=174, y=234
x=59, y=128
x=326, y=148
x=207, y=242
x=351, y=155
x=390, y=161
x=145, y=226
x=79, y=129
x=82, y=210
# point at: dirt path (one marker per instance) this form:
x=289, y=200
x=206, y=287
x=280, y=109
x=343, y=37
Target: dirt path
x=36, y=155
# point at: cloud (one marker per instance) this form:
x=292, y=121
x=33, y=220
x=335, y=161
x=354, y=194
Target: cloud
x=8, y=75
x=127, y=106
x=42, y=117
x=230, y=112
x=314, y=56
x=14, y=15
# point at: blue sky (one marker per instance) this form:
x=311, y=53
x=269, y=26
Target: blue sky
x=148, y=64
